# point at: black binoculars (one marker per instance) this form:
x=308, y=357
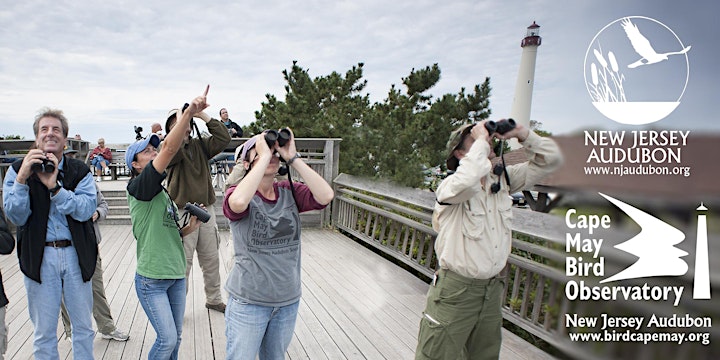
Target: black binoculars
x=282, y=137
x=500, y=127
x=197, y=211
x=46, y=166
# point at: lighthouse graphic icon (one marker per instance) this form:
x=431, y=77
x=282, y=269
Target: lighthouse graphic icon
x=626, y=56
x=655, y=248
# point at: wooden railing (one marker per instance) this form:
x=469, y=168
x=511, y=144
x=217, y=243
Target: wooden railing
x=397, y=221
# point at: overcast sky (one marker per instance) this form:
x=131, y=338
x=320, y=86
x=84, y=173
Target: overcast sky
x=112, y=66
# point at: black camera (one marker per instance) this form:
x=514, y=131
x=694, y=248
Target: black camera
x=500, y=127
x=282, y=137
x=46, y=166
x=138, y=131
x=197, y=211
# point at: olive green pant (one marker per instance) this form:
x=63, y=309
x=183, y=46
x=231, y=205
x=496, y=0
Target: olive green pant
x=462, y=319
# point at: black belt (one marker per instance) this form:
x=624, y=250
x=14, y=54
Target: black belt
x=59, y=243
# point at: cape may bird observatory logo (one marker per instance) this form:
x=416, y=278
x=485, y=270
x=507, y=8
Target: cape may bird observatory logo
x=636, y=70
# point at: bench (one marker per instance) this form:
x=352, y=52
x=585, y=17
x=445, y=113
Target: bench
x=117, y=164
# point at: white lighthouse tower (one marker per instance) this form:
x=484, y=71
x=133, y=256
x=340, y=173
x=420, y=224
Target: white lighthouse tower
x=520, y=111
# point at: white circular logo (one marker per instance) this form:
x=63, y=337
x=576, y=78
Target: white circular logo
x=636, y=70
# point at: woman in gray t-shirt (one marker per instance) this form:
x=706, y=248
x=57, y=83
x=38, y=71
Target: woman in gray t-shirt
x=264, y=282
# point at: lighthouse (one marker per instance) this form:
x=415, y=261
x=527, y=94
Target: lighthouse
x=520, y=111
x=701, y=286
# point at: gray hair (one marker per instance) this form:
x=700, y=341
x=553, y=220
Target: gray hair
x=53, y=113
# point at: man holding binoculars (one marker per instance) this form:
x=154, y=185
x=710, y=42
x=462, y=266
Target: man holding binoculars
x=190, y=181
x=473, y=213
x=51, y=199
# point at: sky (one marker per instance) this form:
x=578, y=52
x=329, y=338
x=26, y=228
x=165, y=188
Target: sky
x=111, y=65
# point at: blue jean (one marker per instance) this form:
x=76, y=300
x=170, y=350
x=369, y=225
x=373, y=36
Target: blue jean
x=164, y=303
x=98, y=160
x=255, y=329
x=61, y=277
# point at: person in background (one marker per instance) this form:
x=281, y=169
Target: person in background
x=472, y=215
x=101, y=309
x=100, y=159
x=189, y=180
x=160, y=275
x=156, y=129
x=233, y=128
x=7, y=244
x=51, y=199
x=264, y=283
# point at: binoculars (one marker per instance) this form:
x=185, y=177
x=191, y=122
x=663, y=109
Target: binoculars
x=46, y=166
x=282, y=137
x=197, y=211
x=500, y=127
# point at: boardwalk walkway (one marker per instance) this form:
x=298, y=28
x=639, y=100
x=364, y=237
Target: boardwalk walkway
x=355, y=305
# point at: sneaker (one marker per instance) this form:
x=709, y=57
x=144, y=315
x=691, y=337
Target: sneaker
x=107, y=171
x=217, y=307
x=116, y=335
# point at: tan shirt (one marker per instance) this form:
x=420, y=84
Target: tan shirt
x=474, y=225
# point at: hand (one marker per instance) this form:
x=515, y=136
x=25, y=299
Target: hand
x=192, y=225
x=289, y=150
x=50, y=179
x=479, y=132
x=261, y=146
x=95, y=216
x=199, y=103
x=34, y=156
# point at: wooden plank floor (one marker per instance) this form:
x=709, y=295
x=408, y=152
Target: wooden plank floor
x=355, y=305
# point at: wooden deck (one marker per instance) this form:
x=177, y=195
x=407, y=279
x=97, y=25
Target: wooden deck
x=355, y=305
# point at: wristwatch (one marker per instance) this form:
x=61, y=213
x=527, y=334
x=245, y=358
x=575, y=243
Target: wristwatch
x=57, y=187
x=290, y=161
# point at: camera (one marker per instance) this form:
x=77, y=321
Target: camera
x=138, y=131
x=500, y=127
x=46, y=166
x=282, y=137
x=197, y=211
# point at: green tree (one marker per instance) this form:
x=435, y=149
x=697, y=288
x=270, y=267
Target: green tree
x=416, y=128
x=331, y=106
x=396, y=139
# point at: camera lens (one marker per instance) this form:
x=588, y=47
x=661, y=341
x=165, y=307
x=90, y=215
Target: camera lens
x=197, y=211
x=283, y=137
x=270, y=137
x=490, y=126
x=505, y=126
x=37, y=167
x=49, y=166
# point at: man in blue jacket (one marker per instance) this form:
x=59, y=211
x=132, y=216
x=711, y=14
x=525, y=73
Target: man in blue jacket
x=51, y=199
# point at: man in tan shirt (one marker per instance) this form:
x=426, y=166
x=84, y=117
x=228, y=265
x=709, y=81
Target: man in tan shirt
x=473, y=213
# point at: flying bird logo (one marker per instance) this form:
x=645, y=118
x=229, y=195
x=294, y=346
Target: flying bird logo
x=643, y=47
x=654, y=246
x=620, y=92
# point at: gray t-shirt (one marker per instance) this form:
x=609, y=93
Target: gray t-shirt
x=266, y=242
